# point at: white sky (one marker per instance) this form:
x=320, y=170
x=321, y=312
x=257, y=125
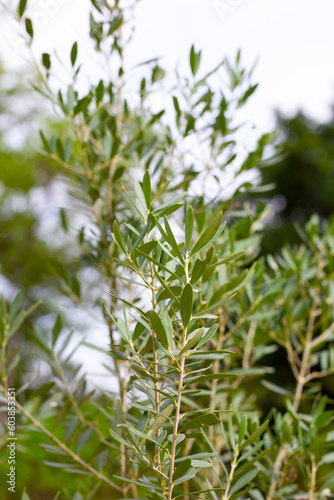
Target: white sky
x=293, y=38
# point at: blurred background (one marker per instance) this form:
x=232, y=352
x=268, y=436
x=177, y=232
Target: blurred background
x=292, y=43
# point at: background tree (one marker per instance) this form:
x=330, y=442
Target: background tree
x=303, y=177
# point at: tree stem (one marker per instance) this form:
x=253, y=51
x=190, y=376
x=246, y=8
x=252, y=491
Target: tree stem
x=176, y=426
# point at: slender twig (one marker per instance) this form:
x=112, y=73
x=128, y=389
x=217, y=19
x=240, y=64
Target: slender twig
x=231, y=475
x=3, y=356
x=302, y=378
x=74, y=402
x=176, y=421
x=63, y=446
x=249, y=345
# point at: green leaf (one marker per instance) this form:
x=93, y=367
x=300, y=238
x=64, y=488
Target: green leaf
x=182, y=469
x=118, y=355
x=141, y=236
x=122, y=328
x=210, y=355
x=161, y=191
x=189, y=227
x=118, y=237
x=328, y=458
x=172, y=241
x=100, y=92
x=244, y=480
x=187, y=477
x=150, y=448
x=209, y=334
x=46, y=61
x=276, y=388
x=74, y=53
x=177, y=109
x=200, y=266
x=15, y=306
x=84, y=439
x=22, y=7
x=56, y=329
x=169, y=293
x=254, y=436
x=118, y=437
x=168, y=210
x=159, y=328
x=148, y=247
x=127, y=427
x=41, y=391
x=195, y=60
x=247, y=94
x=143, y=421
x=122, y=423
x=201, y=464
x=25, y=495
x=193, y=341
x=186, y=304
x=14, y=363
x=140, y=204
x=257, y=458
x=208, y=234
x=215, y=305
x=208, y=419
x=228, y=259
x=115, y=24
x=147, y=189
x=207, y=378
x=29, y=27
x=145, y=484
x=162, y=418
x=242, y=429
x=64, y=220
x=168, y=327
x=158, y=264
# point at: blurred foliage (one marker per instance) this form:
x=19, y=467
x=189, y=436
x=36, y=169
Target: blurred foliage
x=303, y=178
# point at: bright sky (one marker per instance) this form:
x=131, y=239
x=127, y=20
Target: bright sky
x=294, y=40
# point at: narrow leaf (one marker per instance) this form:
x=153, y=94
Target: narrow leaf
x=118, y=237
x=201, y=266
x=162, y=418
x=209, y=334
x=189, y=227
x=193, y=341
x=159, y=328
x=182, y=469
x=168, y=327
x=172, y=241
x=147, y=189
x=208, y=234
x=74, y=53
x=22, y=7
x=186, y=304
x=29, y=27
x=254, y=436
x=15, y=305
x=228, y=259
x=243, y=481
x=208, y=419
